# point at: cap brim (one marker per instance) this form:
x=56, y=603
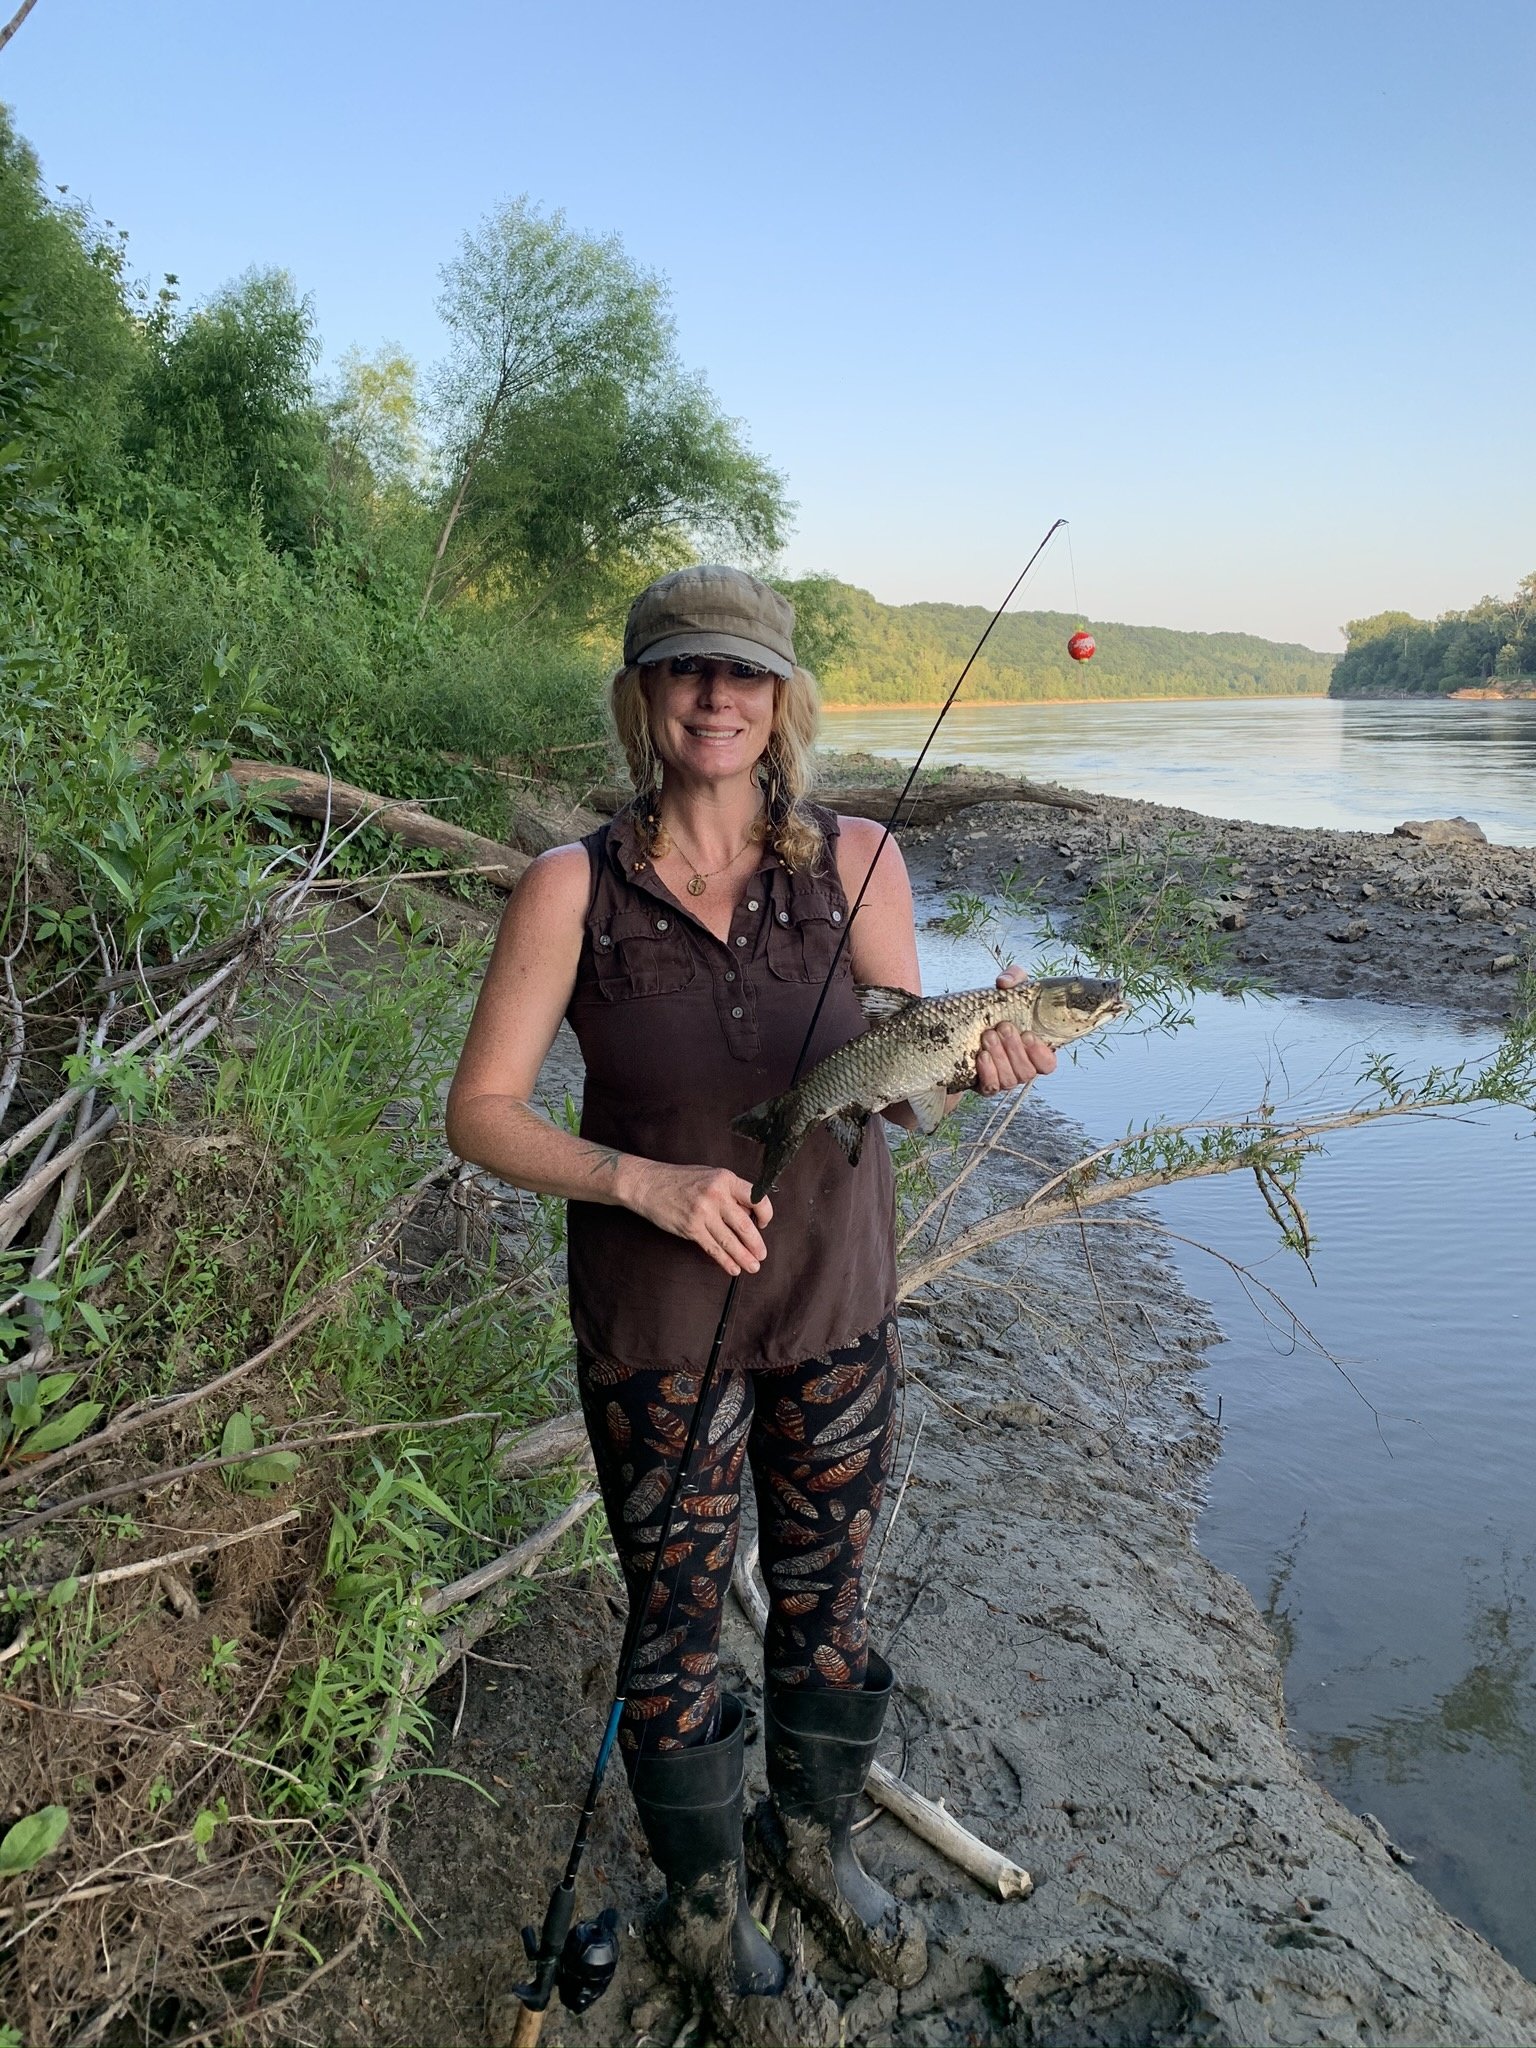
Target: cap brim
x=724, y=646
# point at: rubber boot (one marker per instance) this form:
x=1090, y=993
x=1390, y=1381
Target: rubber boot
x=821, y=1742
x=689, y=1802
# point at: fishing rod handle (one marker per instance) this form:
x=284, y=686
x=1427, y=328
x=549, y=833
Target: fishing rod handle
x=530, y=2025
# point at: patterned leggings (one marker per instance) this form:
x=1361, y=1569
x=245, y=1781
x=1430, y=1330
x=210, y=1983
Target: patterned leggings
x=819, y=1437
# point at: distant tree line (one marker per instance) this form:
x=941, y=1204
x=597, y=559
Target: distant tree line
x=909, y=654
x=1490, y=645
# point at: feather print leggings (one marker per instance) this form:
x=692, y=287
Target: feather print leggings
x=819, y=1438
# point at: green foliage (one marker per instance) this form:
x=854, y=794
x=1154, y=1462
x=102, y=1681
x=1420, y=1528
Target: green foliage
x=25, y=1845
x=1492, y=644
x=26, y=1428
x=578, y=457
x=224, y=408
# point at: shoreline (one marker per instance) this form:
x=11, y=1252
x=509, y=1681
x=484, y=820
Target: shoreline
x=1078, y=1682
x=1308, y=910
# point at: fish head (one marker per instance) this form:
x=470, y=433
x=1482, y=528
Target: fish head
x=1067, y=1005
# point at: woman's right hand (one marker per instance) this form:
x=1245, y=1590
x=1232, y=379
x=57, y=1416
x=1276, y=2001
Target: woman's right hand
x=708, y=1205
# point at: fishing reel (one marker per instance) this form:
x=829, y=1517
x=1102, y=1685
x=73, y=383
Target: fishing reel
x=577, y=1964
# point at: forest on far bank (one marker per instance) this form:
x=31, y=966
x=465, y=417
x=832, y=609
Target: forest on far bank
x=1490, y=646
x=911, y=653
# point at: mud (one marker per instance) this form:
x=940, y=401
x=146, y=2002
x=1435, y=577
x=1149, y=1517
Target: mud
x=1075, y=1680
x=1319, y=913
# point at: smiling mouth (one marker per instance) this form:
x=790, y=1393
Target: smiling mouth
x=714, y=732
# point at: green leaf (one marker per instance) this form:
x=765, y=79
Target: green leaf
x=239, y=1435
x=62, y=1594
x=26, y=1844
x=276, y=1468
x=53, y=1386
x=94, y=1321
x=63, y=1429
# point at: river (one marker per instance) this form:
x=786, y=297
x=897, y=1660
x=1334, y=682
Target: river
x=1374, y=1490
x=1361, y=765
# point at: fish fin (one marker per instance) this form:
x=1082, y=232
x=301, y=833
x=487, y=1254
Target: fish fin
x=927, y=1105
x=769, y=1124
x=878, y=1003
x=848, y=1129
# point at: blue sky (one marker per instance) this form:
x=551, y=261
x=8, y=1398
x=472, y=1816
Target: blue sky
x=1243, y=289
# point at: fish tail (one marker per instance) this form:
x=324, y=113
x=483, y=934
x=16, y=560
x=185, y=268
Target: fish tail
x=771, y=1125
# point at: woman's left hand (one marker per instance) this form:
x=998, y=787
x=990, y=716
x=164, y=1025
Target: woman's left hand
x=1008, y=1058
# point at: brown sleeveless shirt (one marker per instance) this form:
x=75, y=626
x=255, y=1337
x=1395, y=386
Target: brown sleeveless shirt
x=681, y=1031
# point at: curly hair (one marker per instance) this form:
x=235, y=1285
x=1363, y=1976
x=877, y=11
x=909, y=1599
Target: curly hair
x=785, y=771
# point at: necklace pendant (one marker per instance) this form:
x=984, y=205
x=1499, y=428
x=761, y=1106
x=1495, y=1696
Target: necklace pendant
x=696, y=885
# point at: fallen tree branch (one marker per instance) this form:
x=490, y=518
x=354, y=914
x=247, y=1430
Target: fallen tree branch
x=925, y=1817
x=550, y=1443
x=343, y=804
x=930, y=806
x=117, y=1573
x=514, y=1563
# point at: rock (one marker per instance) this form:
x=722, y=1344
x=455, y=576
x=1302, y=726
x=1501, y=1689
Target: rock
x=1350, y=934
x=1441, y=831
x=1295, y=910
x=1470, y=908
x=1501, y=963
x=1231, y=917
x=1368, y=890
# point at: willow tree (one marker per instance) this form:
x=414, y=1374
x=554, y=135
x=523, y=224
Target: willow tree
x=575, y=448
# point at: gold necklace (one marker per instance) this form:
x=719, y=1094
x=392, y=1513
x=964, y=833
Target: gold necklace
x=700, y=879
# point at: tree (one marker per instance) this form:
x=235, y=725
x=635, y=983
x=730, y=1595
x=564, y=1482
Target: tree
x=226, y=407
x=372, y=413
x=574, y=444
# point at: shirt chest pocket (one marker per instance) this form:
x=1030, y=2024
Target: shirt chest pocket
x=641, y=953
x=802, y=943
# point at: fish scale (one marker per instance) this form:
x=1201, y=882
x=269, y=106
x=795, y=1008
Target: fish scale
x=916, y=1050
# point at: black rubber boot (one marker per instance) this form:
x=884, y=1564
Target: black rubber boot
x=689, y=1802
x=821, y=1742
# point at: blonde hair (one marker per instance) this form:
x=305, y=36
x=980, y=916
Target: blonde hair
x=785, y=771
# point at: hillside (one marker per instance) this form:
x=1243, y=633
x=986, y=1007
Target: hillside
x=911, y=653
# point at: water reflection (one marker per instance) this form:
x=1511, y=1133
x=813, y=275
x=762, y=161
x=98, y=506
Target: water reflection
x=1279, y=760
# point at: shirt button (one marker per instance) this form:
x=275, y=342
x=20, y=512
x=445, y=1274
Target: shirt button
x=730, y=974
x=837, y=917
x=783, y=917
x=605, y=941
x=741, y=942
x=661, y=924
x=735, y=1013
x=753, y=904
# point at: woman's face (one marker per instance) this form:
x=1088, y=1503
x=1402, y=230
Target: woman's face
x=710, y=719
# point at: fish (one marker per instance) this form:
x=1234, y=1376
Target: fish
x=917, y=1049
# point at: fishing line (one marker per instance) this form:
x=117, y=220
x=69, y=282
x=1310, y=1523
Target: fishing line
x=579, y=1961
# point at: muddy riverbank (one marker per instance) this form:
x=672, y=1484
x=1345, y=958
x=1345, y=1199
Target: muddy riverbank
x=1322, y=913
x=1077, y=1682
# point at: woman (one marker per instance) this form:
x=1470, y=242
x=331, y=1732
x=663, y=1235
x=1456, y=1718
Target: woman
x=687, y=943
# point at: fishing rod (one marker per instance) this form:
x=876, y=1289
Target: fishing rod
x=578, y=1961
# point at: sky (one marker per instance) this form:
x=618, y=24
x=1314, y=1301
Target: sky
x=1244, y=290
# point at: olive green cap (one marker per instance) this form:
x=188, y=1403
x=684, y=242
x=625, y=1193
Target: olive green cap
x=710, y=610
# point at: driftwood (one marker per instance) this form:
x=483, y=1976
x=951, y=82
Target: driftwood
x=308, y=795
x=512, y=1564
x=929, y=806
x=925, y=1817
x=551, y=1443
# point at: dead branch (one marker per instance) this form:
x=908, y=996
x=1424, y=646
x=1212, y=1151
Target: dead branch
x=146, y=1482
x=925, y=1817
x=550, y=1443
x=15, y=21
x=1038, y=1211
x=514, y=1563
x=929, y=806
x=117, y=1573
x=343, y=804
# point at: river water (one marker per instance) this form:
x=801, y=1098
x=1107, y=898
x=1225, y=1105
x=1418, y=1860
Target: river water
x=1376, y=1491
x=1280, y=760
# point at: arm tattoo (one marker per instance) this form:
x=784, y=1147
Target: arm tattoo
x=602, y=1155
